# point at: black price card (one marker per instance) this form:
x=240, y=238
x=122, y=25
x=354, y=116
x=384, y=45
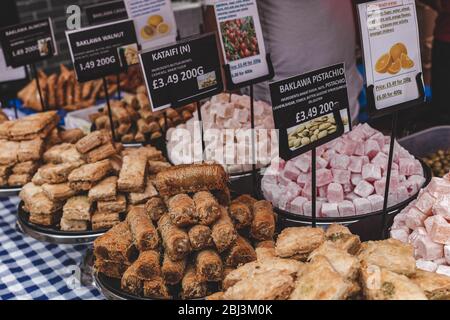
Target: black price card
x=103, y=50
x=183, y=73
x=28, y=43
x=106, y=12
x=307, y=109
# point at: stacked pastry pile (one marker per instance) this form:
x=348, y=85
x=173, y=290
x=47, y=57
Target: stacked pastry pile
x=22, y=143
x=186, y=241
x=311, y=264
x=91, y=181
x=135, y=122
x=63, y=91
x=425, y=224
x=229, y=114
x=351, y=177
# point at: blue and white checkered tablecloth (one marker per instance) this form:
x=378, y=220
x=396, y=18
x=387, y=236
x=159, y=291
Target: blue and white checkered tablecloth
x=30, y=269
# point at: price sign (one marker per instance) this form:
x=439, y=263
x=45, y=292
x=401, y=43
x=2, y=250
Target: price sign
x=390, y=37
x=103, y=50
x=154, y=21
x=310, y=110
x=242, y=39
x=183, y=73
x=28, y=43
x=106, y=12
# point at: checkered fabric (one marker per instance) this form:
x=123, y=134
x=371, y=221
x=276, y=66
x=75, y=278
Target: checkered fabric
x=30, y=269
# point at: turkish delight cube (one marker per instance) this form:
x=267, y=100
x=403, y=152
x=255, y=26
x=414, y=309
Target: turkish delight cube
x=415, y=218
x=303, y=179
x=330, y=210
x=335, y=193
x=371, y=148
x=438, y=187
x=347, y=147
x=442, y=207
x=356, y=178
x=307, y=208
x=302, y=163
x=429, y=266
x=425, y=203
x=401, y=234
x=440, y=232
x=371, y=172
x=324, y=177
x=346, y=208
x=376, y=201
x=351, y=196
x=356, y=164
x=364, y=189
x=427, y=249
x=291, y=172
x=297, y=204
x=444, y=270
x=362, y=206
x=340, y=161
x=341, y=176
x=416, y=235
x=429, y=222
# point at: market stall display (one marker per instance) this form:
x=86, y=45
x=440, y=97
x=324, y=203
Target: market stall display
x=351, y=177
x=313, y=264
x=425, y=225
x=81, y=186
x=229, y=113
x=134, y=122
x=184, y=250
x=62, y=91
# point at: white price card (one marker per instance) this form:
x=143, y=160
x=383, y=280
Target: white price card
x=8, y=73
x=154, y=22
x=241, y=39
x=390, y=38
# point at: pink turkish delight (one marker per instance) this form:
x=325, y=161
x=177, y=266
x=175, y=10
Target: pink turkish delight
x=415, y=218
x=307, y=208
x=442, y=207
x=335, y=193
x=347, y=147
x=376, y=201
x=330, y=210
x=346, y=208
x=356, y=164
x=340, y=161
x=303, y=179
x=324, y=177
x=371, y=148
x=428, y=250
x=291, y=172
x=425, y=203
x=438, y=187
x=429, y=222
x=356, y=178
x=302, y=163
x=379, y=138
x=341, y=176
x=444, y=270
x=364, y=189
x=429, y=266
x=440, y=232
x=297, y=205
x=416, y=235
x=371, y=172
x=400, y=234
x=362, y=206
x=380, y=185
x=351, y=196
x=409, y=167
x=381, y=159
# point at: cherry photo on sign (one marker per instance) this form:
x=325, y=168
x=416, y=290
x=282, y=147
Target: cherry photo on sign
x=239, y=38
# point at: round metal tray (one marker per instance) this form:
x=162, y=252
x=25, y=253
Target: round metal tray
x=292, y=217
x=110, y=288
x=9, y=192
x=53, y=235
